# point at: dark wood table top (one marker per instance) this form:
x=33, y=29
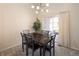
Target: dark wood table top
x=39, y=38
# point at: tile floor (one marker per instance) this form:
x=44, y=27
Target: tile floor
x=59, y=51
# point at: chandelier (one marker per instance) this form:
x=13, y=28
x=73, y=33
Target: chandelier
x=40, y=7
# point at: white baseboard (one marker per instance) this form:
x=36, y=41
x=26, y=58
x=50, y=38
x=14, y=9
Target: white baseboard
x=20, y=44
x=75, y=48
x=9, y=47
x=70, y=47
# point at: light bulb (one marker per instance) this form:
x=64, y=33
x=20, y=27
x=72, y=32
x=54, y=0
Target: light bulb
x=46, y=10
x=37, y=7
x=33, y=6
x=42, y=10
x=47, y=4
x=36, y=12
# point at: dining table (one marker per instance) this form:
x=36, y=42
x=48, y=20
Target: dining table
x=39, y=39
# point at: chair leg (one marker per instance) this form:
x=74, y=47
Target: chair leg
x=32, y=48
x=50, y=52
x=44, y=51
x=32, y=52
x=53, y=47
x=26, y=50
x=40, y=51
x=54, y=51
x=50, y=48
x=22, y=47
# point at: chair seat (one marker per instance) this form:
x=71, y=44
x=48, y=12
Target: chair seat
x=35, y=46
x=48, y=47
x=30, y=45
x=24, y=42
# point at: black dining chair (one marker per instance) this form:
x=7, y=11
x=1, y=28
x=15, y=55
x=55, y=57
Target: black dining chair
x=50, y=44
x=45, y=33
x=23, y=40
x=30, y=43
x=26, y=31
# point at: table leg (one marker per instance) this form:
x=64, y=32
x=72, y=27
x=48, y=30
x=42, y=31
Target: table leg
x=32, y=49
x=53, y=51
x=50, y=48
x=44, y=51
x=40, y=51
x=26, y=50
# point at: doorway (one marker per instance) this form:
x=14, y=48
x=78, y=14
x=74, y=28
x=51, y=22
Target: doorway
x=51, y=24
x=59, y=24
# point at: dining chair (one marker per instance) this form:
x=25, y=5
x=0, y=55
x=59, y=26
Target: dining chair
x=23, y=38
x=26, y=31
x=50, y=44
x=30, y=43
x=45, y=33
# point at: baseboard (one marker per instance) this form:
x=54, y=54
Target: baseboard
x=9, y=47
x=70, y=48
x=20, y=44
x=74, y=49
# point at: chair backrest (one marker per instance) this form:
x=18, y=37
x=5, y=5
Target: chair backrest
x=45, y=33
x=23, y=33
x=26, y=38
x=26, y=31
x=23, y=36
x=53, y=39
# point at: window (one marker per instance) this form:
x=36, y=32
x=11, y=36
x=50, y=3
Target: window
x=51, y=23
x=54, y=24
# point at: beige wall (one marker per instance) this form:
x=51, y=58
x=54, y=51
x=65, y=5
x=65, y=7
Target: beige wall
x=1, y=27
x=13, y=19
x=16, y=17
x=73, y=10
x=74, y=26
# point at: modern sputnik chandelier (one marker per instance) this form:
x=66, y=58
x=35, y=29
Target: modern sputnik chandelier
x=40, y=7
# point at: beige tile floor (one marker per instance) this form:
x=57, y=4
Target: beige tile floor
x=60, y=51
